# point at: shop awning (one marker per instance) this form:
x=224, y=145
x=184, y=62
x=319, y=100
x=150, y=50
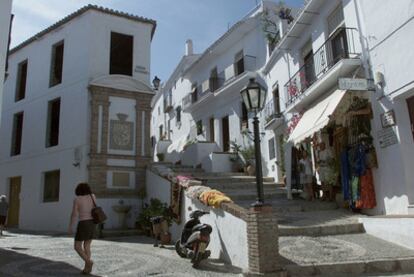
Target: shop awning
x=316, y=117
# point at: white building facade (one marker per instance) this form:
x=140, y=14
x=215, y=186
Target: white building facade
x=75, y=109
x=5, y=26
x=205, y=92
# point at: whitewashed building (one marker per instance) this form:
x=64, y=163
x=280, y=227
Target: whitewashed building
x=5, y=26
x=204, y=91
x=76, y=107
x=360, y=40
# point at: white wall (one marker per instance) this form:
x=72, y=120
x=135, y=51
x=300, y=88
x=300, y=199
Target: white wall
x=86, y=56
x=5, y=17
x=388, y=29
x=230, y=245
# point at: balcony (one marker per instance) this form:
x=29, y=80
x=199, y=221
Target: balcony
x=337, y=57
x=214, y=85
x=273, y=116
x=168, y=105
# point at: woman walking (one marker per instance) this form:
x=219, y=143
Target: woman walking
x=82, y=211
x=4, y=207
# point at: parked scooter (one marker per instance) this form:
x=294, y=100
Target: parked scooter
x=194, y=239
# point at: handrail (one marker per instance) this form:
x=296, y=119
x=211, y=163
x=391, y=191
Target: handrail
x=340, y=45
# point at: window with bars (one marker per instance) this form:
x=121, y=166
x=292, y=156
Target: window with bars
x=272, y=148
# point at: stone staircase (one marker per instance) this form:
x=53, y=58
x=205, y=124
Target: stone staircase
x=315, y=238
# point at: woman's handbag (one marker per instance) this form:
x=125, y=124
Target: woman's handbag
x=98, y=214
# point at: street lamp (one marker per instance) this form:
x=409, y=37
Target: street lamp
x=156, y=82
x=254, y=96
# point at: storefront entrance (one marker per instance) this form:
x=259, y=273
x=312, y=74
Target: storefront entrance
x=14, y=196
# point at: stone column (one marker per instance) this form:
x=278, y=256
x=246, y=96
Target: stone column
x=263, y=244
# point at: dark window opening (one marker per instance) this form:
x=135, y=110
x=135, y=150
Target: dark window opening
x=21, y=81
x=199, y=127
x=53, y=118
x=51, y=186
x=161, y=134
x=178, y=116
x=239, y=63
x=194, y=93
x=214, y=84
x=17, y=134
x=276, y=101
x=272, y=149
x=56, y=64
x=245, y=117
x=121, y=54
x=410, y=103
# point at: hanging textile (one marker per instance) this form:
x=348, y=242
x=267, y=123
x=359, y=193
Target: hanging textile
x=355, y=196
x=368, y=191
x=175, y=205
x=345, y=176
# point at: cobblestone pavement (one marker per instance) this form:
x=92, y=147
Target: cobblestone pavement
x=31, y=255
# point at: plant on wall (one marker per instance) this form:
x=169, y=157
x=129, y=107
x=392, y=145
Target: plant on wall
x=154, y=208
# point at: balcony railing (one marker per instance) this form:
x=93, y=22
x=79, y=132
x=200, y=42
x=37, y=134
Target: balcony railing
x=247, y=63
x=168, y=105
x=271, y=112
x=340, y=45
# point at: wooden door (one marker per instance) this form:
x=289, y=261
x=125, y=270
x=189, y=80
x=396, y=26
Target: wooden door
x=410, y=103
x=226, y=134
x=212, y=134
x=14, y=205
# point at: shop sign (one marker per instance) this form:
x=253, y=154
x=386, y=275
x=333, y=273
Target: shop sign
x=353, y=84
x=387, y=137
x=388, y=119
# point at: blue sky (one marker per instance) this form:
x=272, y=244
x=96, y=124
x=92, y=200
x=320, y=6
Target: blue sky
x=203, y=21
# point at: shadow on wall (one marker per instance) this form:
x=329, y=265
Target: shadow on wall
x=11, y=264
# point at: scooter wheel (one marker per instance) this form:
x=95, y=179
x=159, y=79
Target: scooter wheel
x=179, y=249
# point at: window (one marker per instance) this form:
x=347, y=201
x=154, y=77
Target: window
x=21, y=81
x=410, y=103
x=244, y=117
x=17, y=134
x=51, y=186
x=276, y=101
x=161, y=132
x=121, y=54
x=53, y=118
x=199, y=126
x=214, y=80
x=239, y=63
x=178, y=114
x=56, y=66
x=272, y=149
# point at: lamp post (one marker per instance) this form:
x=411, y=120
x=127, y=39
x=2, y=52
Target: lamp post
x=254, y=96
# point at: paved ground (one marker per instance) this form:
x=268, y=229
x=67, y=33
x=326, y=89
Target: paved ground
x=40, y=255
x=340, y=248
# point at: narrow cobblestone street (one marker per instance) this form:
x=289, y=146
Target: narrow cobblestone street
x=41, y=255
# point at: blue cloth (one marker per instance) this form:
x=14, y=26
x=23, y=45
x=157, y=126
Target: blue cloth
x=345, y=175
x=360, y=160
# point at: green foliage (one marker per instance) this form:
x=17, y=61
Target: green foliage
x=160, y=157
x=155, y=208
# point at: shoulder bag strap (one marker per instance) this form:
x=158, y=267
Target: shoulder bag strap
x=94, y=204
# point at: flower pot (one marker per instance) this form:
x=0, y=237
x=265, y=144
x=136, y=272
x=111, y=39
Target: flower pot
x=250, y=170
x=165, y=238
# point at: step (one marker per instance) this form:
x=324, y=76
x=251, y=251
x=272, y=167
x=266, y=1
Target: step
x=343, y=254
x=234, y=179
x=252, y=194
x=112, y=233
x=322, y=230
x=243, y=185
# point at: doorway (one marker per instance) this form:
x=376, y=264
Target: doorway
x=14, y=205
x=212, y=133
x=226, y=134
x=410, y=103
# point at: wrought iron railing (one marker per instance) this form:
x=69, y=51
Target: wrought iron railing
x=270, y=111
x=340, y=45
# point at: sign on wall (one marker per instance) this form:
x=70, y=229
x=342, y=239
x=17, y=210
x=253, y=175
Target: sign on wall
x=388, y=119
x=387, y=137
x=353, y=84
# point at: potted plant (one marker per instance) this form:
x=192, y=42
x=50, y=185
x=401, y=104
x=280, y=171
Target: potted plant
x=154, y=208
x=250, y=162
x=160, y=157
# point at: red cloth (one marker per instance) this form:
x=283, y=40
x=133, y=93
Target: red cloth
x=367, y=191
